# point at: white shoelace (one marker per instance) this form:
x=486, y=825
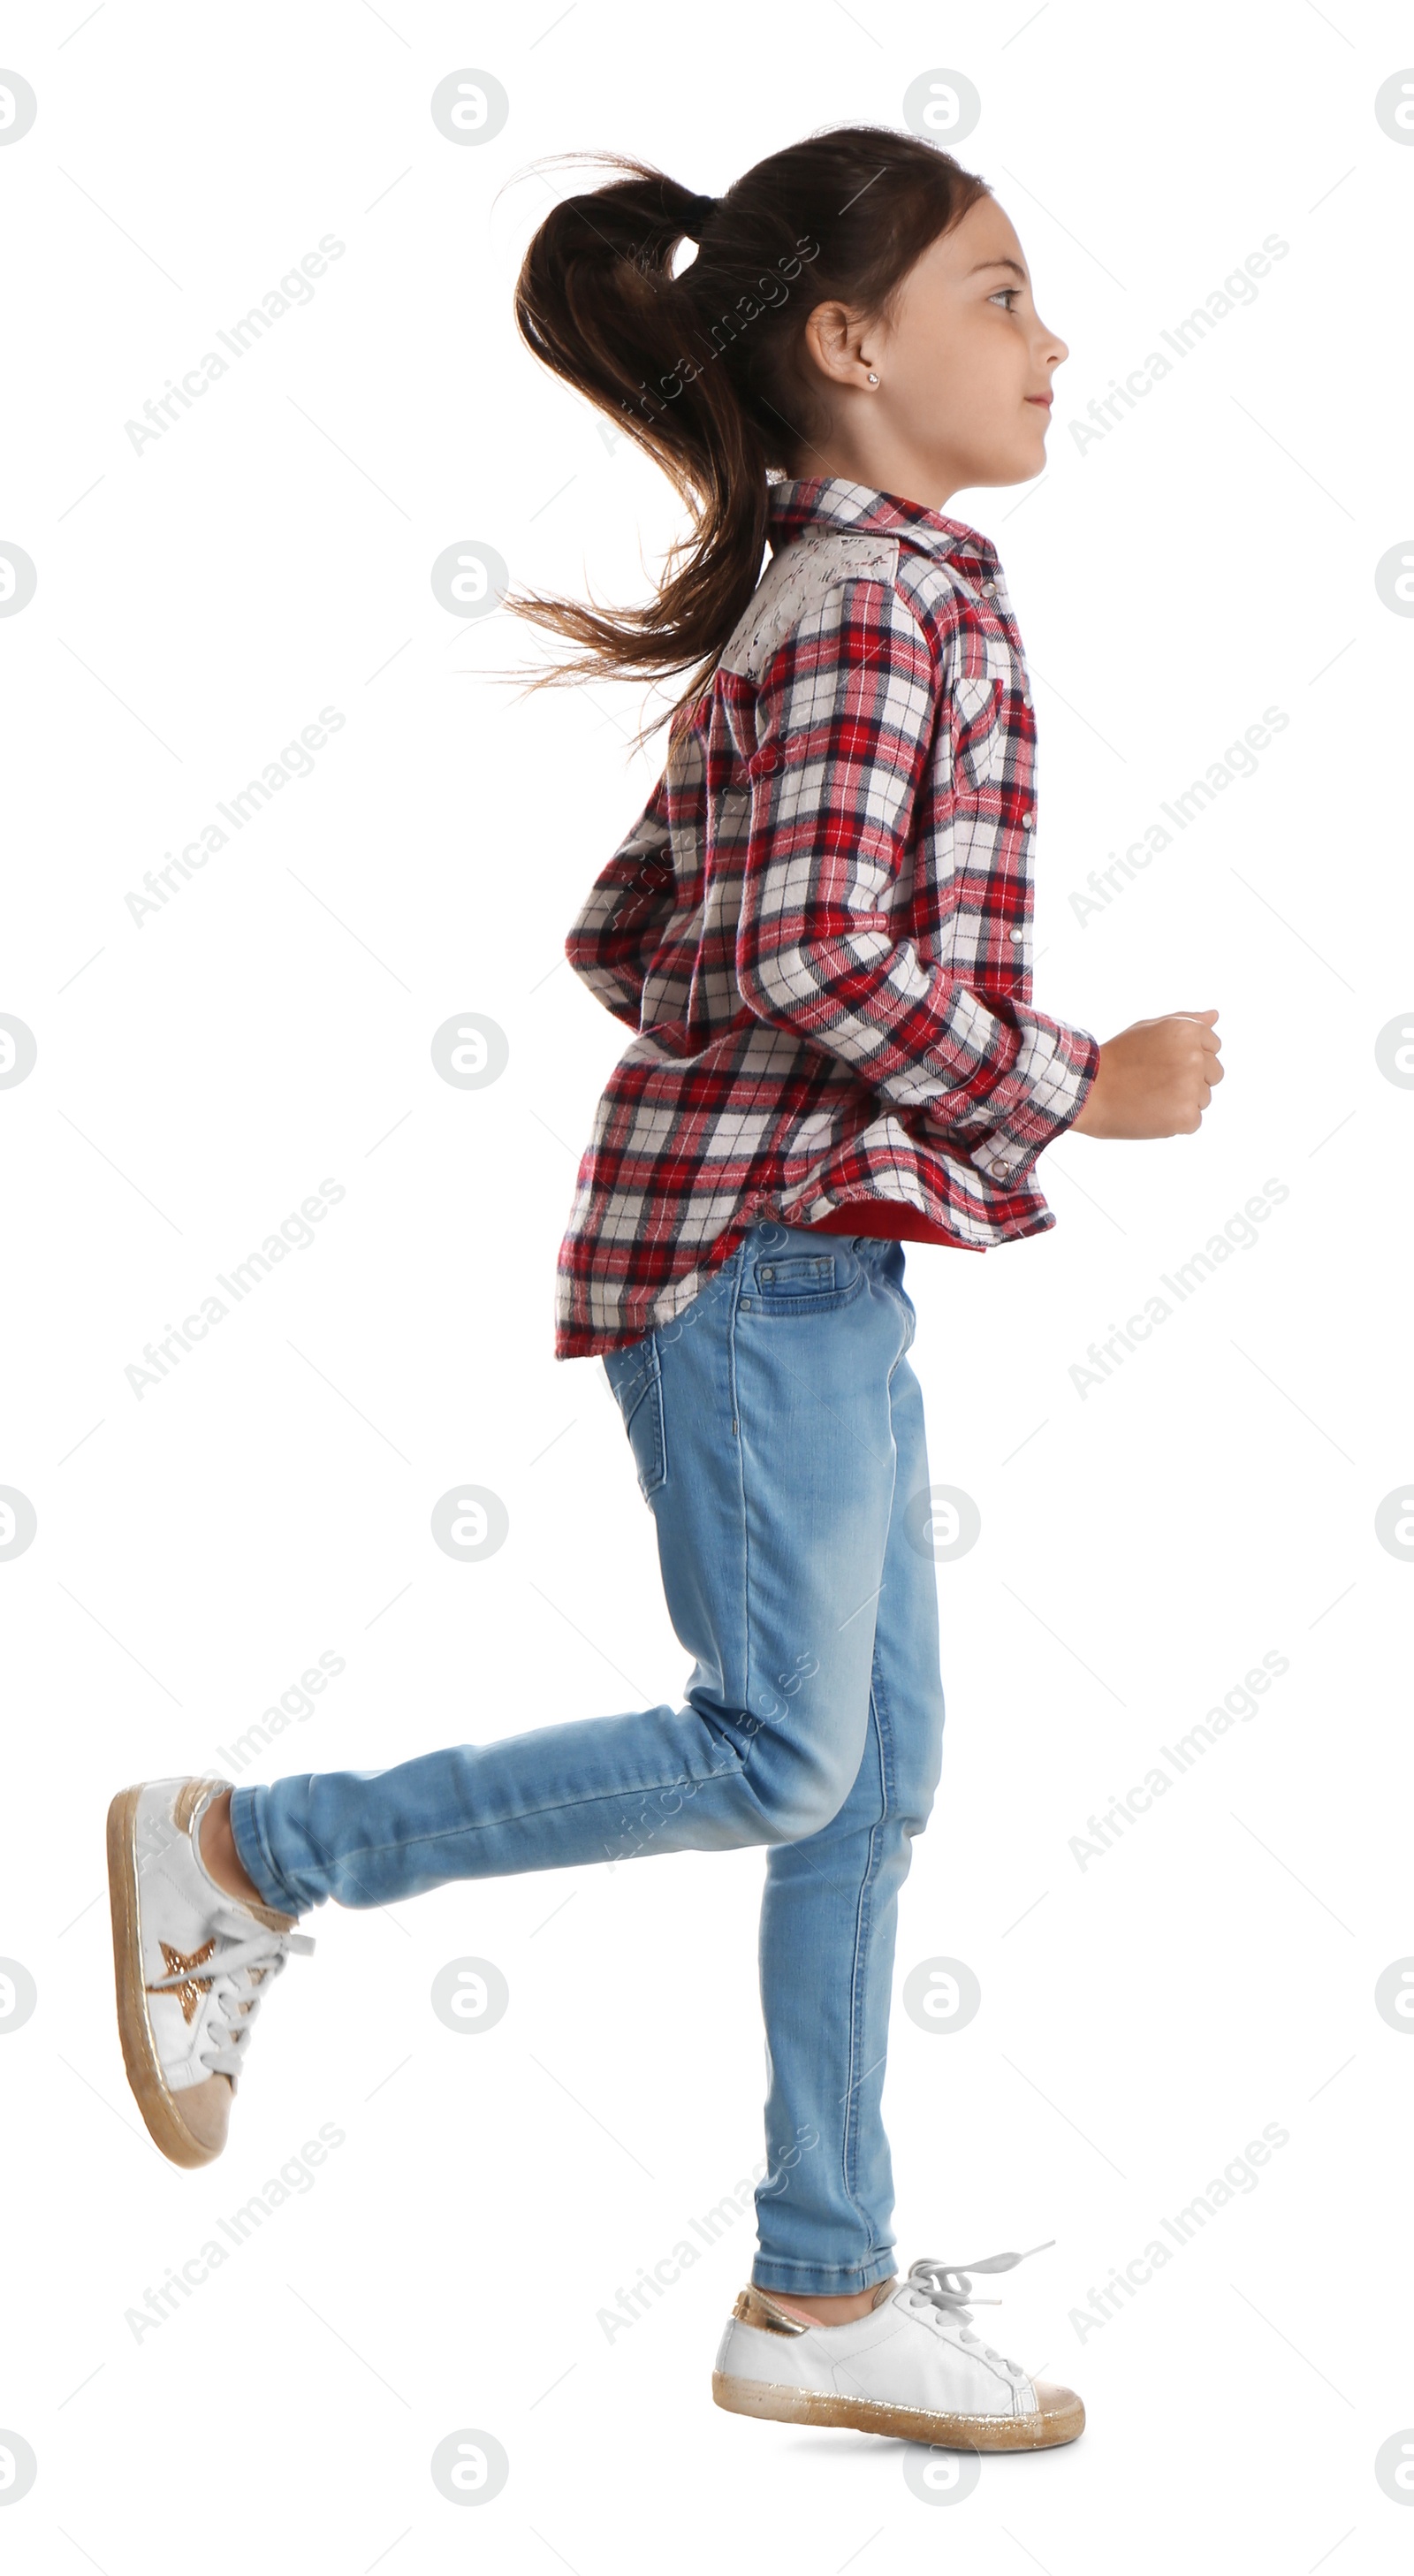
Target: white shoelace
x=237, y=1972
x=928, y=2288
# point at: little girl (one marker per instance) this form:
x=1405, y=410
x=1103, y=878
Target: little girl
x=819, y=933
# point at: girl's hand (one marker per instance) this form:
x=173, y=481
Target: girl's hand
x=1155, y=1079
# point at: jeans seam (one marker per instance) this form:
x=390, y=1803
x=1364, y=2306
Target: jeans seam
x=849, y=2175
x=906, y=1309
x=879, y=1725
x=655, y=1396
x=646, y=1789
x=735, y=1393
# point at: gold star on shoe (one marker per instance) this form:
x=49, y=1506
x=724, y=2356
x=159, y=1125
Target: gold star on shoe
x=190, y=1992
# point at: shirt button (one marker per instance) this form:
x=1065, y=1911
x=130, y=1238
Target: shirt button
x=989, y=590
x=1026, y=701
x=1026, y=822
x=999, y=1171
x=1018, y=934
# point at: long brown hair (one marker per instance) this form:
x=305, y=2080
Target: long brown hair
x=706, y=369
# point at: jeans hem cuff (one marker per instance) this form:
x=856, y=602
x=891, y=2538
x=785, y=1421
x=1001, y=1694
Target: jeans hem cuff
x=821, y=2280
x=253, y=1853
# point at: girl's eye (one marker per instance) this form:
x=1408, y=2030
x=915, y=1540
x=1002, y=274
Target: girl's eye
x=1006, y=292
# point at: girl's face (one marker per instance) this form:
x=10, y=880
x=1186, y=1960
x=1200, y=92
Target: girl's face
x=964, y=371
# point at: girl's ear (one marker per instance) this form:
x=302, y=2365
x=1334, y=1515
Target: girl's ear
x=832, y=341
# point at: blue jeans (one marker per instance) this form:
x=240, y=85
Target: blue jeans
x=777, y=1431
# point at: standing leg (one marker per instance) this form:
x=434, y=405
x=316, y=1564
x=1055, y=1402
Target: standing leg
x=827, y=1934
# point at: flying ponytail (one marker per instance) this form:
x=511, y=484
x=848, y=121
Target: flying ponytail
x=705, y=367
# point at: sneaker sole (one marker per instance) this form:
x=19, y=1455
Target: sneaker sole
x=151, y=2092
x=765, y=2398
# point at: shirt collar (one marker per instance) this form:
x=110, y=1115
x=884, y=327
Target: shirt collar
x=830, y=498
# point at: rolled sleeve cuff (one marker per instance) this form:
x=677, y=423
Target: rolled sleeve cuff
x=1041, y=1095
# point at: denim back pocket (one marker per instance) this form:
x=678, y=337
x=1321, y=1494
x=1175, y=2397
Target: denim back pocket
x=636, y=1381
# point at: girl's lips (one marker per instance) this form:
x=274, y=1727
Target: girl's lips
x=1045, y=400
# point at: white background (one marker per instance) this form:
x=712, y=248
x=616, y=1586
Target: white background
x=1212, y=1501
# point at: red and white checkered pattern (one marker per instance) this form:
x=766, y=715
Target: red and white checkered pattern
x=819, y=928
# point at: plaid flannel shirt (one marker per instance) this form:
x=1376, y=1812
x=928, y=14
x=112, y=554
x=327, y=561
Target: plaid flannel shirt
x=819, y=927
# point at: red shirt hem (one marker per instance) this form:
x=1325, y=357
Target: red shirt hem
x=888, y=1220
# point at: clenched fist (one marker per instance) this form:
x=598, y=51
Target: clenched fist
x=1155, y=1079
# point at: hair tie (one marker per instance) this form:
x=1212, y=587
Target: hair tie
x=698, y=215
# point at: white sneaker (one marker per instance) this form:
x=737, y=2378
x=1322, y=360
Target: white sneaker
x=911, y=2368
x=191, y=1963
